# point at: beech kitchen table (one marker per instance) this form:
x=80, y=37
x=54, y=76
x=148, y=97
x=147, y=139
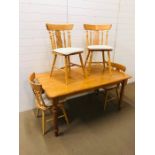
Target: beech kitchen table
x=56, y=88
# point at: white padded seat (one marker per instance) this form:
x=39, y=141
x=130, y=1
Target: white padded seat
x=110, y=87
x=46, y=100
x=100, y=47
x=68, y=50
x=49, y=102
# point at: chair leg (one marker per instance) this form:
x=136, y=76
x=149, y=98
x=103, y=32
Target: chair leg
x=117, y=93
x=69, y=63
x=65, y=114
x=53, y=64
x=43, y=122
x=87, y=58
x=90, y=61
x=103, y=58
x=69, y=68
x=66, y=69
x=109, y=62
x=105, y=99
x=118, y=85
x=37, y=112
x=80, y=56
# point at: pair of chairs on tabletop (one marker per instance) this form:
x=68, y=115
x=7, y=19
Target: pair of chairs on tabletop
x=60, y=36
x=96, y=41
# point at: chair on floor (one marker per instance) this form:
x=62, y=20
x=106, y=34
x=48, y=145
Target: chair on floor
x=43, y=104
x=60, y=36
x=108, y=89
x=97, y=41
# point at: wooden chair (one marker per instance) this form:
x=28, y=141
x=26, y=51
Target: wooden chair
x=60, y=36
x=115, y=87
x=43, y=104
x=97, y=41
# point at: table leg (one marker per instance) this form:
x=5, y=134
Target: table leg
x=123, y=84
x=55, y=116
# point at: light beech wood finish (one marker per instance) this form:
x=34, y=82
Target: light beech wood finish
x=40, y=104
x=56, y=89
x=97, y=27
x=60, y=36
x=97, y=35
x=107, y=90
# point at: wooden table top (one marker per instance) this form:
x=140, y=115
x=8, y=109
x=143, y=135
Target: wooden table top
x=55, y=86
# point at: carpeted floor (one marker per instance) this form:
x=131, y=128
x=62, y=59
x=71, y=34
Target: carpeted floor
x=91, y=131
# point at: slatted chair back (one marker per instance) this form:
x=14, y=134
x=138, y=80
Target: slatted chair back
x=37, y=90
x=60, y=35
x=118, y=67
x=97, y=34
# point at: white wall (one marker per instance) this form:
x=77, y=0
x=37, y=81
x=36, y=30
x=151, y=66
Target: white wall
x=124, y=52
x=34, y=39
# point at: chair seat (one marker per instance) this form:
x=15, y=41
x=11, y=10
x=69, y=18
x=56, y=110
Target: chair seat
x=100, y=47
x=110, y=87
x=49, y=102
x=46, y=100
x=68, y=50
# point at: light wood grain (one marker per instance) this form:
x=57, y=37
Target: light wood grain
x=52, y=37
x=40, y=104
x=96, y=38
x=60, y=36
x=59, y=27
x=64, y=37
x=69, y=39
x=56, y=86
x=97, y=35
x=58, y=39
x=116, y=66
x=53, y=63
x=107, y=90
x=97, y=27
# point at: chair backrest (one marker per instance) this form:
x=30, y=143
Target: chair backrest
x=37, y=90
x=60, y=35
x=118, y=67
x=97, y=34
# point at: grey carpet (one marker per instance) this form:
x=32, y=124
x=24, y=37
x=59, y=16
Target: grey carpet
x=91, y=131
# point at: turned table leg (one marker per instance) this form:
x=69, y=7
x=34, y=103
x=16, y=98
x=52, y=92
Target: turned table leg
x=123, y=84
x=55, y=116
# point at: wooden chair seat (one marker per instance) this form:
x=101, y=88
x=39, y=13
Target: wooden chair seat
x=100, y=48
x=68, y=50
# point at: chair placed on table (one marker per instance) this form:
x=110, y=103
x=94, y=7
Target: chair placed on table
x=60, y=36
x=43, y=104
x=108, y=89
x=97, y=41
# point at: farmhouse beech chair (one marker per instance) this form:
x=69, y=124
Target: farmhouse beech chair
x=60, y=36
x=108, y=89
x=43, y=104
x=97, y=41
